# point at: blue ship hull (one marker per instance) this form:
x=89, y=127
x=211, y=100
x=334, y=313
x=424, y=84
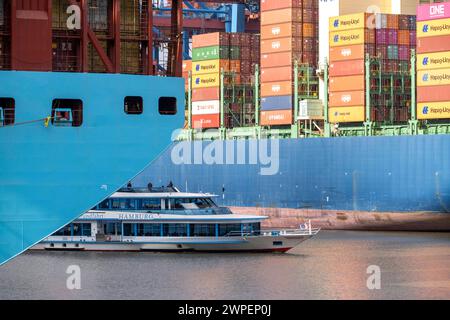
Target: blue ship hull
x=405, y=174
x=51, y=175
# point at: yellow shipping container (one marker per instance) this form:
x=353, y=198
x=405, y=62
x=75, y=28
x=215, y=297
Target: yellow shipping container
x=429, y=61
x=350, y=37
x=440, y=27
x=210, y=66
x=206, y=80
x=346, y=114
x=349, y=22
x=436, y=77
x=433, y=110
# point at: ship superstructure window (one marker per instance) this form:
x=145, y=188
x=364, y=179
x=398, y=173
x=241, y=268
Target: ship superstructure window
x=167, y=105
x=226, y=229
x=202, y=230
x=7, y=111
x=151, y=204
x=67, y=112
x=134, y=105
x=174, y=230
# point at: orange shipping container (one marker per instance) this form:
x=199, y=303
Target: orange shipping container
x=404, y=37
x=281, y=16
x=347, y=83
x=270, y=60
x=347, y=99
x=187, y=66
x=279, y=88
x=276, y=117
x=347, y=68
x=433, y=44
x=276, y=74
x=281, y=30
x=309, y=30
x=433, y=93
x=281, y=45
x=347, y=53
x=210, y=39
x=206, y=94
x=279, y=4
x=205, y=121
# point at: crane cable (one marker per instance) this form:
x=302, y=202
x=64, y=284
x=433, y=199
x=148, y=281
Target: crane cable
x=46, y=122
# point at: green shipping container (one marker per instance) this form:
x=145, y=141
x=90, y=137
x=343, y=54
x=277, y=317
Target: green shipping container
x=210, y=53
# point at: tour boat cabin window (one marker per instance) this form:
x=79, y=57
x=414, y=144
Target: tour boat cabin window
x=134, y=105
x=167, y=105
x=7, y=111
x=67, y=112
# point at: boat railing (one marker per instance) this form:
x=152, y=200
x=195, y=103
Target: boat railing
x=274, y=233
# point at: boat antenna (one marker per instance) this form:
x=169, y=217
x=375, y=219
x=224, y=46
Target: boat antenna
x=150, y=186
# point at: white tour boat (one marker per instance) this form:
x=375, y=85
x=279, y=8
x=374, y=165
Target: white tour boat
x=165, y=219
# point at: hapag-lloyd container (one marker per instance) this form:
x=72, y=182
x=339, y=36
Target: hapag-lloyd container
x=276, y=103
x=436, y=77
x=276, y=118
x=433, y=44
x=350, y=22
x=438, y=60
x=210, y=66
x=206, y=121
x=346, y=114
x=205, y=107
x=347, y=98
x=433, y=110
x=206, y=80
x=347, y=68
x=436, y=93
x=352, y=37
x=433, y=28
x=433, y=11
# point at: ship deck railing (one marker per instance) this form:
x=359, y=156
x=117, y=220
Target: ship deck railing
x=274, y=233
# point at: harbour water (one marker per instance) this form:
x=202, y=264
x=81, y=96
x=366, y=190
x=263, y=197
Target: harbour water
x=334, y=265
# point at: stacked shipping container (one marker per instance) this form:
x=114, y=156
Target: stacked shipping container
x=4, y=36
x=236, y=54
x=433, y=61
x=387, y=37
x=289, y=33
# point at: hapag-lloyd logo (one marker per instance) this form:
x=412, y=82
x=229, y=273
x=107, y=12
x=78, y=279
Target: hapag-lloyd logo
x=440, y=28
x=264, y=153
x=439, y=60
x=440, y=77
x=435, y=110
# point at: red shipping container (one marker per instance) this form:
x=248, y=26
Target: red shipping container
x=347, y=99
x=347, y=68
x=206, y=94
x=281, y=16
x=281, y=45
x=433, y=44
x=433, y=93
x=210, y=39
x=276, y=117
x=206, y=121
x=281, y=30
x=276, y=74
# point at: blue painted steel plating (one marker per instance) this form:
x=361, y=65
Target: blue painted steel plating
x=51, y=175
x=403, y=174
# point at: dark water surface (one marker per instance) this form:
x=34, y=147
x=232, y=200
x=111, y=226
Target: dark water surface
x=331, y=266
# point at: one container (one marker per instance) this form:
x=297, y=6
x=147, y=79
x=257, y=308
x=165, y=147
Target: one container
x=276, y=103
x=267, y=5
x=276, y=118
x=345, y=53
x=276, y=74
x=270, y=60
x=433, y=11
x=281, y=30
x=346, y=114
x=281, y=16
x=210, y=39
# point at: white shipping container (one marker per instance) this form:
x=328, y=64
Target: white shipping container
x=310, y=109
x=206, y=107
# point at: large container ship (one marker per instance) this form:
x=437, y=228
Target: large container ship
x=72, y=133
x=358, y=141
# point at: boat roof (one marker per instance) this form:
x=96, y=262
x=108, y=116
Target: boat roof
x=151, y=216
x=121, y=194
